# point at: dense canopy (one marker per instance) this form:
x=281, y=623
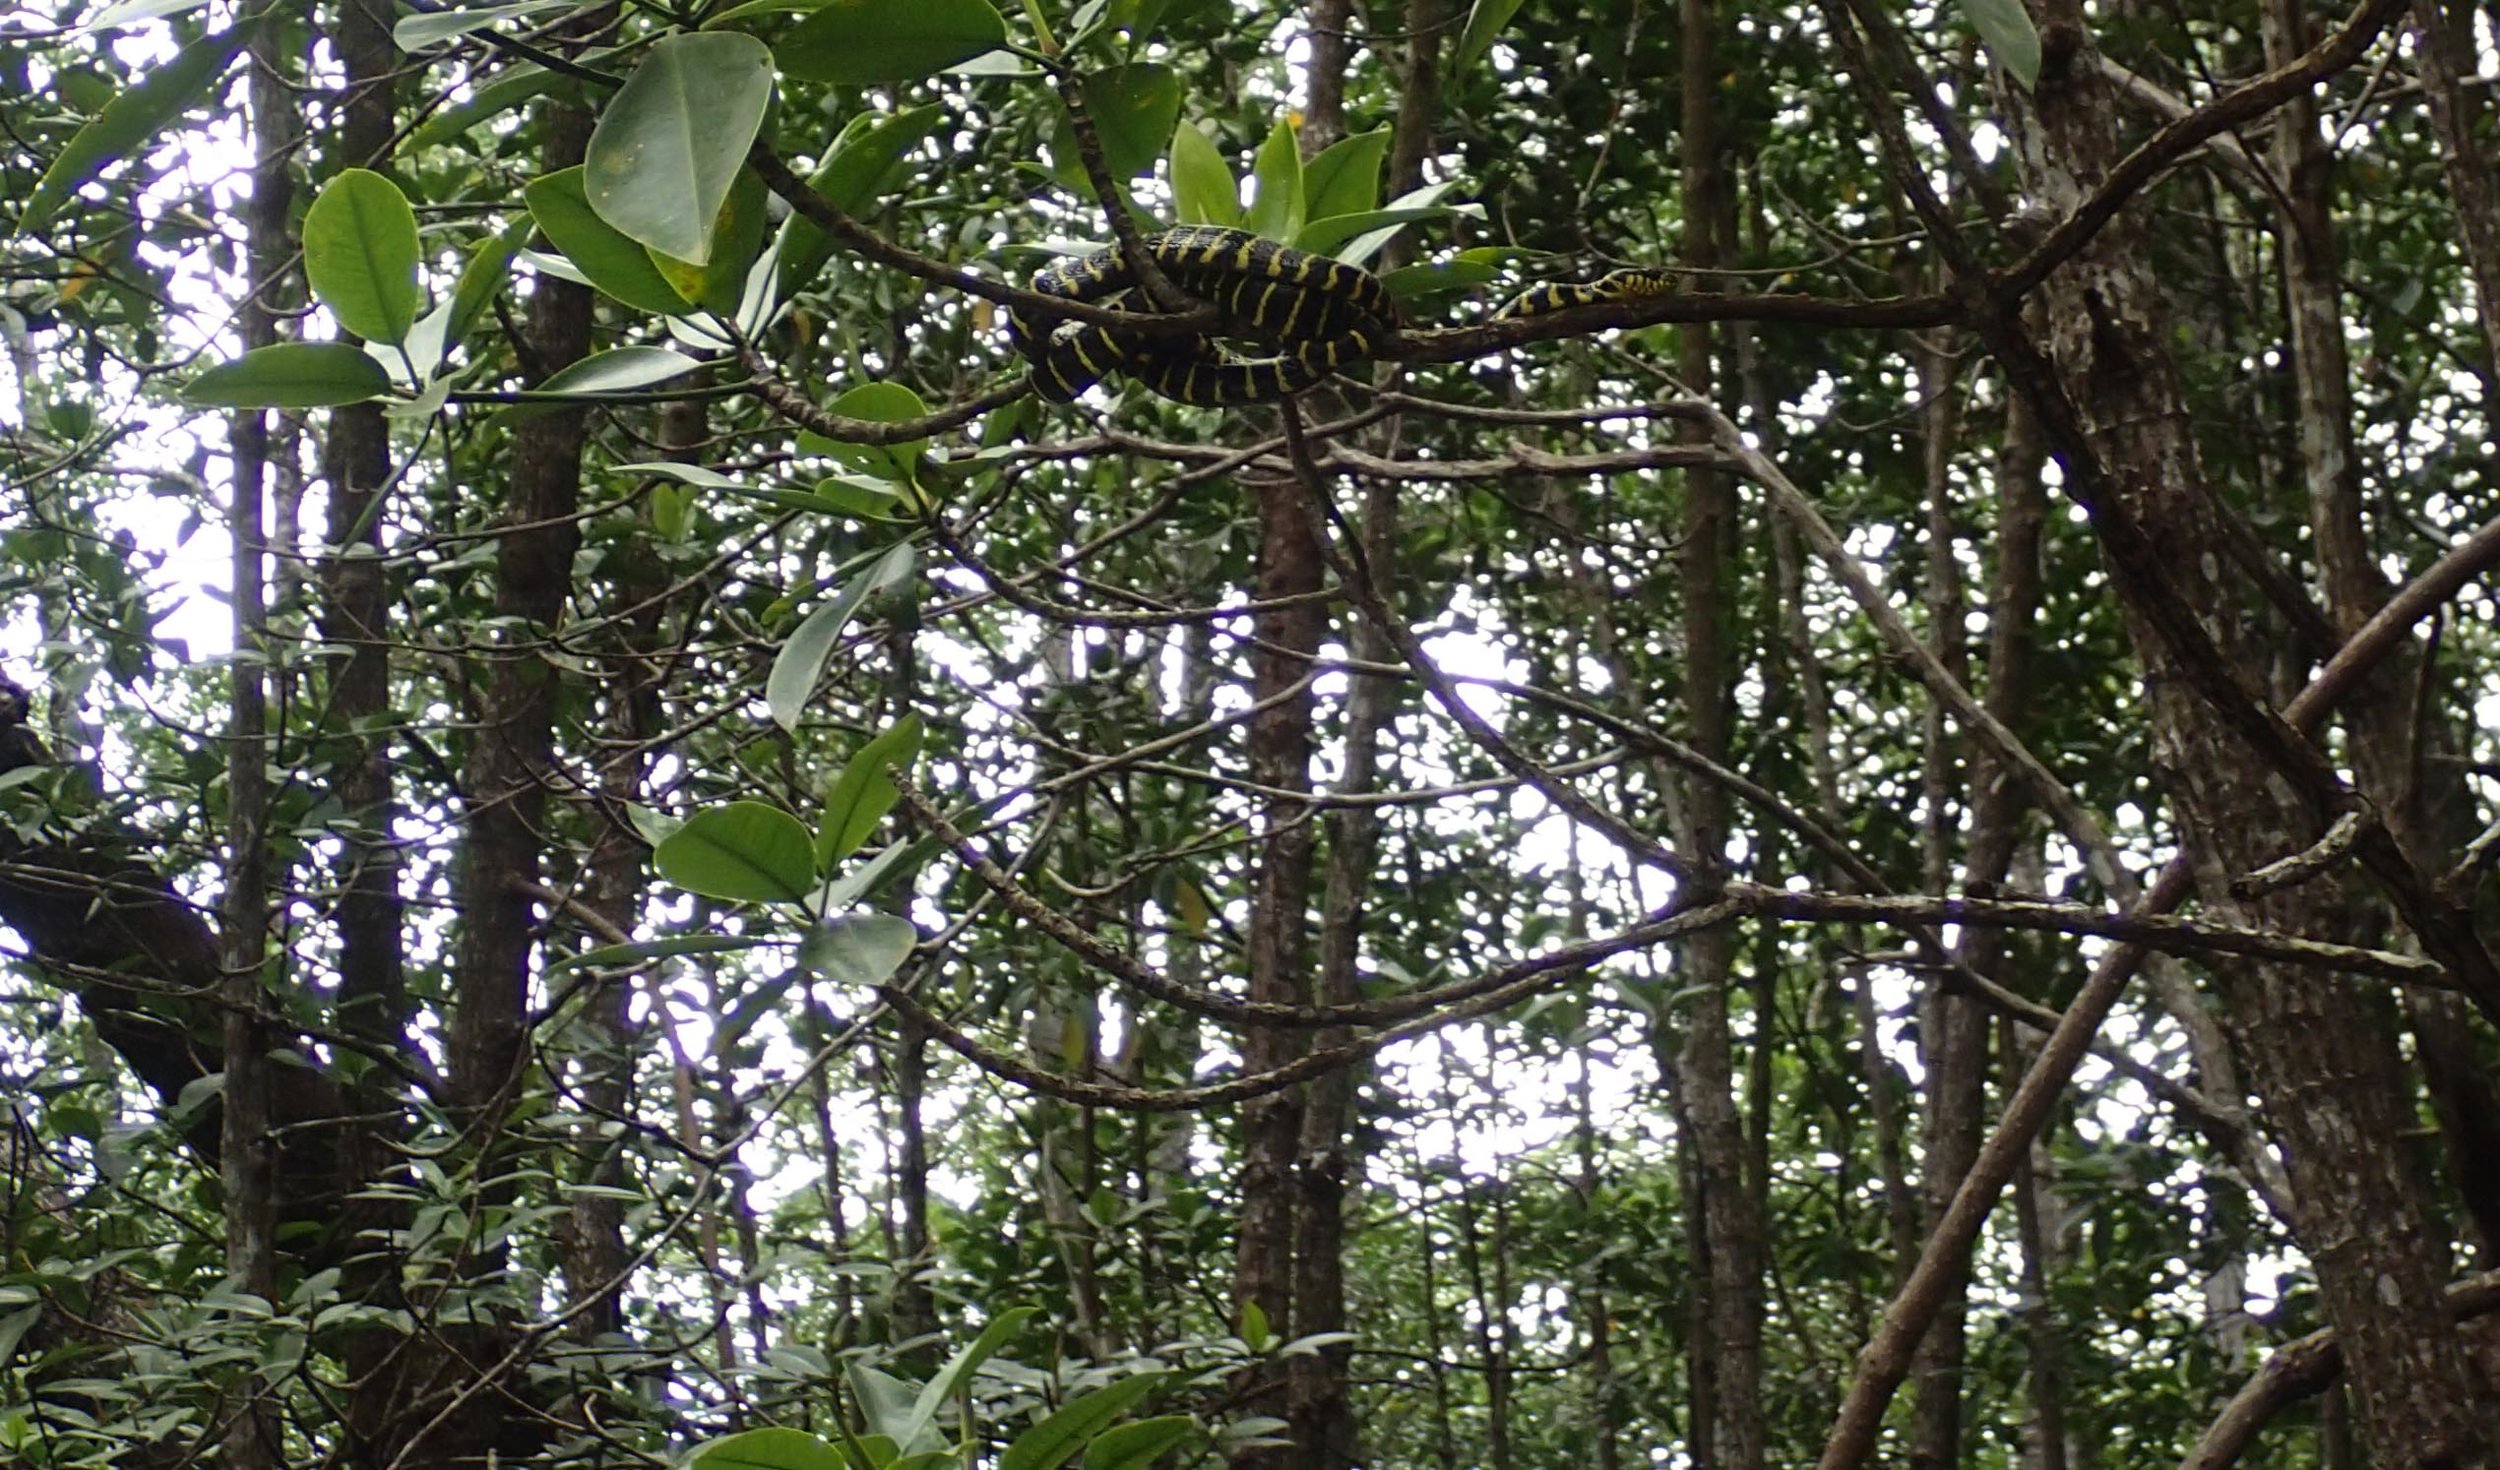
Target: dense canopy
x=1709, y=737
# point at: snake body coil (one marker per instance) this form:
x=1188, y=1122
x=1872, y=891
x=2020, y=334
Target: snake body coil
x=1318, y=314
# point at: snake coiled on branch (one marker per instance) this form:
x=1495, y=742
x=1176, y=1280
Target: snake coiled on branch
x=1317, y=314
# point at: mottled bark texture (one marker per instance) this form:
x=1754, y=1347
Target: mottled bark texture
x=1280, y=758
x=2317, y=1055
x=1714, y=1142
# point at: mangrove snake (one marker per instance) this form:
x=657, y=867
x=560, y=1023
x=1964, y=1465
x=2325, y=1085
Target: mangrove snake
x=1318, y=314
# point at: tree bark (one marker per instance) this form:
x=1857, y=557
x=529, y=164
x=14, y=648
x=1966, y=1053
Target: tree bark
x=2315, y=1053
x=1706, y=960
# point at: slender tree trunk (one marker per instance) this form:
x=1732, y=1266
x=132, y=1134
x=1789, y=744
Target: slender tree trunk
x=2444, y=53
x=1319, y=1408
x=1716, y=1142
x=613, y=882
x=246, y=1146
x=2035, y=1212
x=353, y=616
x=1605, y=1414
x=1953, y=1030
x=505, y=785
x=356, y=605
x=1280, y=759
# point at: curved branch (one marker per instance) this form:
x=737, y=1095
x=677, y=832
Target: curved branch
x=2253, y=98
x=2305, y=1366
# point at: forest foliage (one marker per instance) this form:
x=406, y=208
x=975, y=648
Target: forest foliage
x=626, y=849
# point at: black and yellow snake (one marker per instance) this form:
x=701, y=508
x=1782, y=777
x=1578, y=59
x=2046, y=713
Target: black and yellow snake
x=1318, y=314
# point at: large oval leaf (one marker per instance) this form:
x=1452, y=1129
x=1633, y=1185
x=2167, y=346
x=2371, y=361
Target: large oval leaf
x=745, y=851
x=603, y=254
x=1276, y=191
x=1133, y=108
x=859, y=949
x=865, y=792
x=2011, y=38
x=737, y=238
x=670, y=144
x=1138, y=1445
x=360, y=255
x=1203, y=189
x=1049, y=1444
x=857, y=42
x=1345, y=178
x=1485, y=20
x=291, y=375
x=131, y=119
x=768, y=1449
x=619, y=370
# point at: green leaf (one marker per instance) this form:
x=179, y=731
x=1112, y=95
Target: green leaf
x=864, y=792
x=1345, y=178
x=745, y=851
x=1276, y=198
x=1254, y=1328
x=802, y=659
x=488, y=270
x=690, y=474
x=1133, y=108
x=1204, y=191
x=1139, y=1445
x=642, y=951
x=755, y=8
x=606, y=257
x=619, y=370
x=1137, y=17
x=671, y=142
x=1402, y=210
x=13, y=1326
x=707, y=479
x=291, y=375
x=131, y=12
x=858, y=42
x=131, y=118
x=1485, y=20
x=507, y=91
x=959, y=1368
x=859, y=496
x=884, y=1400
x=2006, y=29
x=1416, y=282
x=767, y=1449
x=360, y=255
x=737, y=238
x=866, y=160
x=416, y=32
x=1327, y=236
x=1050, y=1444
x=884, y=403
x=860, y=949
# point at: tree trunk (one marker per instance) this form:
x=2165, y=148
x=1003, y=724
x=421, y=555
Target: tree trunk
x=2316, y=1054
x=1706, y=961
